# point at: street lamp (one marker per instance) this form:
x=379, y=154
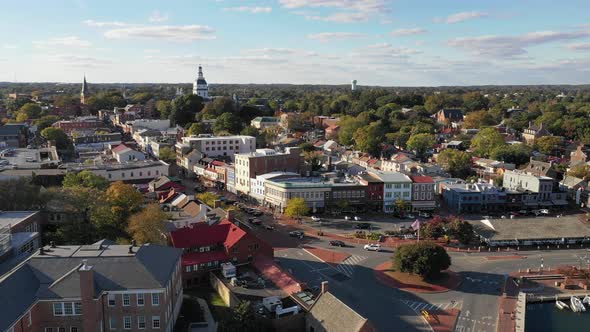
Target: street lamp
x=541, y=264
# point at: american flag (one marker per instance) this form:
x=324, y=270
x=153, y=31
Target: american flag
x=416, y=225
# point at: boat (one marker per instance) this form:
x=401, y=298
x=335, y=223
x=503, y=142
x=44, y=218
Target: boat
x=586, y=299
x=561, y=305
x=577, y=305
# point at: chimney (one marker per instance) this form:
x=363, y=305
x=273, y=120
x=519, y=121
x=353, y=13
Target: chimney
x=324, y=288
x=217, y=204
x=41, y=251
x=131, y=249
x=52, y=244
x=231, y=215
x=90, y=308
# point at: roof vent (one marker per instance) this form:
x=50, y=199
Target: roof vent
x=131, y=249
x=52, y=244
x=41, y=251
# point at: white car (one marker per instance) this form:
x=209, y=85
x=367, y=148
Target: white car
x=346, y=218
x=357, y=218
x=314, y=218
x=372, y=247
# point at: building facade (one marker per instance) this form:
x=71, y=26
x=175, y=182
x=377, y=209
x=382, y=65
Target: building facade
x=396, y=186
x=423, y=198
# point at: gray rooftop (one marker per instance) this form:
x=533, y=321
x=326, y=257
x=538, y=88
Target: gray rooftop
x=334, y=315
x=533, y=228
x=55, y=274
x=13, y=218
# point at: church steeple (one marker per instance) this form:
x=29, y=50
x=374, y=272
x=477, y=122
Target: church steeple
x=201, y=72
x=85, y=93
x=200, y=86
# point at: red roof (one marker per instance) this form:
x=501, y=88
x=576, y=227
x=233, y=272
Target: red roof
x=120, y=148
x=203, y=234
x=193, y=258
x=372, y=161
x=274, y=273
x=217, y=163
x=422, y=179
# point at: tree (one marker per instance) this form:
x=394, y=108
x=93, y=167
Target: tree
x=580, y=171
x=124, y=199
x=184, y=109
x=370, y=139
x=296, y=207
x=313, y=158
x=196, y=129
x=85, y=179
x=426, y=259
x=420, y=143
x=478, y=120
x=461, y=230
x=457, y=163
x=147, y=226
x=21, y=194
x=57, y=135
x=517, y=154
x=432, y=230
x=220, y=106
x=208, y=198
x=167, y=154
x=486, y=141
x=307, y=147
x=401, y=205
x=32, y=110
x=548, y=144
x=141, y=97
x=227, y=122
x=45, y=121
x=164, y=107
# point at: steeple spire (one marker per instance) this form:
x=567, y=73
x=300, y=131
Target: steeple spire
x=85, y=93
x=200, y=72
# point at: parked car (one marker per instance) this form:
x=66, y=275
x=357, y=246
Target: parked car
x=357, y=218
x=315, y=218
x=410, y=216
x=254, y=221
x=363, y=225
x=372, y=247
x=269, y=227
x=337, y=243
x=298, y=234
x=257, y=213
x=424, y=215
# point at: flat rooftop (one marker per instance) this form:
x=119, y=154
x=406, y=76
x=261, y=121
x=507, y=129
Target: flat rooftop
x=13, y=218
x=532, y=228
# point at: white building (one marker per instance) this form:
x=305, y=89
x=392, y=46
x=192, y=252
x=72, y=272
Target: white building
x=132, y=171
x=154, y=124
x=200, y=87
x=395, y=186
x=215, y=146
x=257, y=183
x=125, y=154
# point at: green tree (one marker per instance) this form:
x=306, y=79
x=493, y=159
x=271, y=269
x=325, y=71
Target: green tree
x=548, y=144
x=164, y=107
x=85, y=179
x=141, y=97
x=420, y=143
x=296, y=208
x=426, y=259
x=313, y=159
x=220, y=106
x=478, y=120
x=184, y=109
x=370, y=139
x=307, y=147
x=196, y=129
x=147, y=226
x=32, y=110
x=457, y=163
x=45, y=121
x=401, y=205
x=486, y=141
x=461, y=230
x=227, y=122
x=124, y=199
x=57, y=135
x=167, y=154
x=208, y=198
x=21, y=194
x=517, y=154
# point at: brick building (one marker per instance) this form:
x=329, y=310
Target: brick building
x=79, y=124
x=98, y=287
x=423, y=193
x=207, y=246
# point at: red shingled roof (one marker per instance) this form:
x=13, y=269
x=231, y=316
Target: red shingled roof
x=203, y=234
x=422, y=179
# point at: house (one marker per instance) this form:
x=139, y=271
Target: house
x=578, y=157
x=329, y=314
x=423, y=193
x=572, y=184
x=122, y=153
x=95, y=287
x=13, y=135
x=447, y=116
x=489, y=168
x=263, y=122
x=374, y=190
x=545, y=192
x=456, y=145
x=541, y=168
x=533, y=132
x=165, y=184
x=130, y=172
x=332, y=131
x=206, y=247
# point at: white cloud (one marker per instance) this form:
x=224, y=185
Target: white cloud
x=249, y=9
x=348, y=11
x=79, y=60
x=579, y=46
x=511, y=46
x=157, y=17
x=177, y=33
x=341, y=17
x=70, y=41
x=461, y=17
x=98, y=24
x=280, y=52
x=10, y=46
x=408, y=32
x=332, y=36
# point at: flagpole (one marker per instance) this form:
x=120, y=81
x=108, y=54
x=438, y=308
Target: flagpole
x=418, y=232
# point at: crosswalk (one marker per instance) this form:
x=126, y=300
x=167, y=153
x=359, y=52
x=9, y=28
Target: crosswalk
x=418, y=306
x=347, y=266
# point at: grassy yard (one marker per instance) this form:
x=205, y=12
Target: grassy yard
x=219, y=309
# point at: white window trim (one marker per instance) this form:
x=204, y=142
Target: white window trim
x=130, y=323
x=128, y=297
x=144, y=323
x=154, y=318
x=153, y=303
x=109, y=300
x=137, y=299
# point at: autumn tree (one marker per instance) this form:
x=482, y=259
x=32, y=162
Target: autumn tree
x=548, y=144
x=486, y=141
x=420, y=143
x=457, y=163
x=296, y=208
x=208, y=198
x=85, y=179
x=478, y=119
x=196, y=129
x=124, y=199
x=148, y=225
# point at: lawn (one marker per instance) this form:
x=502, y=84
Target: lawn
x=219, y=309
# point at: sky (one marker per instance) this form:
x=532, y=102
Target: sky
x=376, y=42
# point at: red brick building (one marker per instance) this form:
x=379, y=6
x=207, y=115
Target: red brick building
x=207, y=246
x=82, y=124
x=374, y=191
x=98, y=287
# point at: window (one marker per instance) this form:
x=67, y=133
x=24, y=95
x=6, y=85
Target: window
x=61, y=329
x=141, y=322
x=156, y=322
x=49, y=329
x=73, y=329
x=155, y=299
x=112, y=300
x=140, y=299
x=127, y=322
x=112, y=323
x=58, y=309
x=126, y=300
x=188, y=268
x=68, y=309
x=77, y=308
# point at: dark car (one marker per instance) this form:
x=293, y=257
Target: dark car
x=269, y=227
x=298, y=234
x=363, y=225
x=254, y=221
x=337, y=243
x=257, y=213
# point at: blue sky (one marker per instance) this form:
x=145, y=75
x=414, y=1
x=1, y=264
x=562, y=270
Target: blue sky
x=377, y=42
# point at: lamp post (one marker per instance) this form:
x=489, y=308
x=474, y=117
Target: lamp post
x=541, y=270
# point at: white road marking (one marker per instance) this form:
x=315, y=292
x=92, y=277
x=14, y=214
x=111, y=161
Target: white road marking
x=347, y=266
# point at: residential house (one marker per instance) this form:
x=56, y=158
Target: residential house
x=489, y=168
x=541, y=168
x=534, y=132
x=263, y=122
x=331, y=132
x=214, y=146
x=206, y=247
x=14, y=135
x=447, y=116
x=122, y=153
x=164, y=184
x=95, y=287
x=423, y=198
x=578, y=157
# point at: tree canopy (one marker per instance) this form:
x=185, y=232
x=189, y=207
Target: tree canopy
x=85, y=179
x=486, y=141
x=147, y=226
x=296, y=208
x=426, y=259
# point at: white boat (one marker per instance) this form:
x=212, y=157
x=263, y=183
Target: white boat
x=576, y=304
x=561, y=305
x=586, y=299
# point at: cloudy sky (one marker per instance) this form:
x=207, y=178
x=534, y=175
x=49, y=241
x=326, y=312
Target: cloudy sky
x=377, y=42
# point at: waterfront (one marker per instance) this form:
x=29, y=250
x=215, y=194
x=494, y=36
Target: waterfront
x=545, y=317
